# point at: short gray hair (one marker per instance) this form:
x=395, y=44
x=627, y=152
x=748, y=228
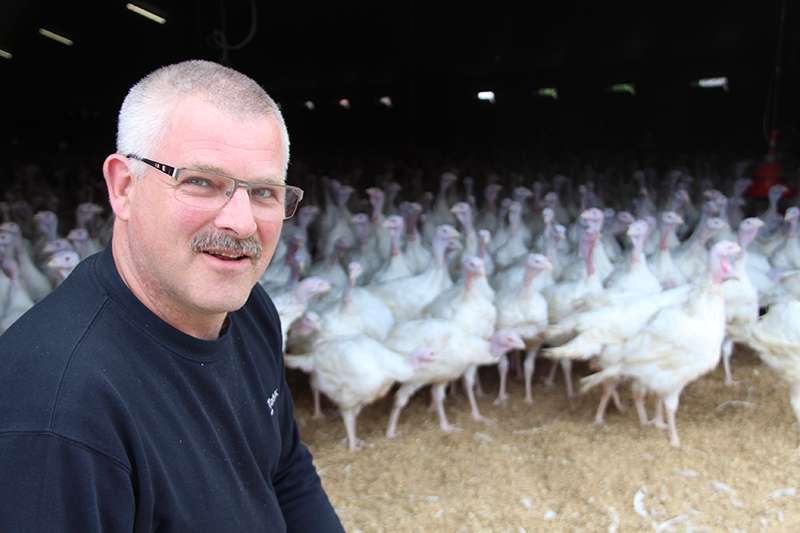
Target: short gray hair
x=148, y=107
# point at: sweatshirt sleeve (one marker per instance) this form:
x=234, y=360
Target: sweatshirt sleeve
x=50, y=483
x=298, y=489
x=305, y=505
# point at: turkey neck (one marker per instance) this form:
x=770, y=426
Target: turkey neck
x=413, y=214
x=668, y=228
x=530, y=275
x=395, y=235
x=439, y=246
x=514, y=218
x=587, y=246
x=470, y=238
x=376, y=198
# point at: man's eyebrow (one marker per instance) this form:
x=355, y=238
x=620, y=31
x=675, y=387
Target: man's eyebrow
x=271, y=180
x=209, y=168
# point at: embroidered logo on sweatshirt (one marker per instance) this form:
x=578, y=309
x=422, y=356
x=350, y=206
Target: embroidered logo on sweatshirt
x=271, y=402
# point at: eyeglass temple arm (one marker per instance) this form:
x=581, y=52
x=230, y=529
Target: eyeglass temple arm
x=166, y=169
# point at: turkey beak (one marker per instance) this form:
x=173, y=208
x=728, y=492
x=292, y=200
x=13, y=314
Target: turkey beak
x=423, y=356
x=730, y=274
x=430, y=357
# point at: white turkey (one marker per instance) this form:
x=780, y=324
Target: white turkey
x=299, y=223
x=464, y=214
x=500, y=234
x=736, y=201
x=357, y=311
x=33, y=280
x=771, y=237
x=460, y=353
x=63, y=263
x=355, y=370
x=591, y=218
x=418, y=256
x=87, y=216
x=82, y=242
x=677, y=345
x=467, y=303
x=335, y=221
x=634, y=273
x=521, y=195
x=365, y=250
x=741, y=297
x=487, y=217
x=331, y=269
x=776, y=338
x=691, y=256
x=627, y=289
x=376, y=219
x=407, y=296
x=521, y=308
x=16, y=301
x=302, y=335
x=514, y=246
x=441, y=207
x=49, y=250
x=787, y=254
x=553, y=201
x=564, y=296
x=660, y=261
x=615, y=227
x=395, y=265
x=47, y=226
x=391, y=190
x=292, y=264
x=610, y=325
x=293, y=303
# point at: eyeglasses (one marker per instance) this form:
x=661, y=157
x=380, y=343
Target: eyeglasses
x=208, y=190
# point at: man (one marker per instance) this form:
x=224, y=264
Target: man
x=147, y=392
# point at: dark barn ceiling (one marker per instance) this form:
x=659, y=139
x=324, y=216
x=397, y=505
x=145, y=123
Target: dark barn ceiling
x=430, y=57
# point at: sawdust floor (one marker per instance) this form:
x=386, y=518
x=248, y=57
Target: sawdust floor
x=547, y=467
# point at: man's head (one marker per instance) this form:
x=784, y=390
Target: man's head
x=147, y=108
x=192, y=265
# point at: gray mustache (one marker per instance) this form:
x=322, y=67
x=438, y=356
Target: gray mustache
x=250, y=246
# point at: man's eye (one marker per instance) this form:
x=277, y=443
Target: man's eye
x=197, y=181
x=263, y=192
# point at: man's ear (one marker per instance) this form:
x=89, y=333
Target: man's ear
x=119, y=182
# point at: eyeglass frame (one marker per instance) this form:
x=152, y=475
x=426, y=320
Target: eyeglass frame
x=237, y=183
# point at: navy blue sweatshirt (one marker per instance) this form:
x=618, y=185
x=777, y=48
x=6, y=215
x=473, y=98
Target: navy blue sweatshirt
x=112, y=420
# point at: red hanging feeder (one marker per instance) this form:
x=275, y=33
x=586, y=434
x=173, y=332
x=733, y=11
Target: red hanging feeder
x=769, y=173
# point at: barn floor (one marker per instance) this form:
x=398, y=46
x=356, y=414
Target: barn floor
x=546, y=467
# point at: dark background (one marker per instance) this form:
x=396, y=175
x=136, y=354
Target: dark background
x=431, y=58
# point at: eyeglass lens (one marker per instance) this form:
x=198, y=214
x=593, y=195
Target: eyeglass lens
x=207, y=190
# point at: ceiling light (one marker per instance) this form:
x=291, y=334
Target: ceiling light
x=345, y=103
x=549, y=92
x=55, y=36
x=712, y=82
x=386, y=100
x=145, y=13
x=310, y=105
x=624, y=88
x=486, y=95
x=5, y=54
